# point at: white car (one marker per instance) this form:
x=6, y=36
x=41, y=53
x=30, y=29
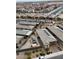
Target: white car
x=42, y=57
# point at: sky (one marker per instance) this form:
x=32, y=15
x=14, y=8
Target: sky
x=30, y=0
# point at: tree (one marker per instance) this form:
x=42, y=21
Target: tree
x=37, y=55
x=17, y=16
x=42, y=53
x=22, y=17
x=29, y=57
x=47, y=49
